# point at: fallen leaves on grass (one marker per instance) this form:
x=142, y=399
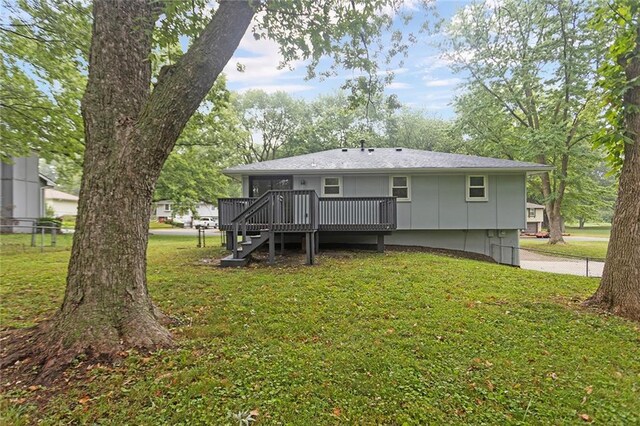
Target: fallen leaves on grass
x=585, y=417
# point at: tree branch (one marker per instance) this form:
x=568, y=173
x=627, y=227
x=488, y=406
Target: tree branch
x=179, y=92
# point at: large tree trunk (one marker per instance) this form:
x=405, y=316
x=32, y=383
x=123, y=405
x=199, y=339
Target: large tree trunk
x=129, y=133
x=552, y=209
x=619, y=290
x=555, y=224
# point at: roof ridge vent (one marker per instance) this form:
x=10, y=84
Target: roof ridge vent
x=398, y=149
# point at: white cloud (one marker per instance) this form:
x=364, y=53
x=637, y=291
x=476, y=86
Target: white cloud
x=398, y=85
x=442, y=82
x=272, y=88
x=260, y=60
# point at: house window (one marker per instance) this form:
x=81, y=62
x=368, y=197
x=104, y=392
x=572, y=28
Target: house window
x=400, y=187
x=167, y=207
x=531, y=213
x=331, y=186
x=477, y=188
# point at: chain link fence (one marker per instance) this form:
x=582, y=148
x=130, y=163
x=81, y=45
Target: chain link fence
x=550, y=261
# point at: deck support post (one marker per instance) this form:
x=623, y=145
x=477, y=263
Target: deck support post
x=272, y=248
x=380, y=243
x=281, y=243
x=309, y=247
x=229, y=240
x=316, y=240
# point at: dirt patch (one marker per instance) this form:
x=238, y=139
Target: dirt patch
x=443, y=252
x=297, y=257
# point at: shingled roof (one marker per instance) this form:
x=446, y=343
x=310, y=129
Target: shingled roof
x=356, y=160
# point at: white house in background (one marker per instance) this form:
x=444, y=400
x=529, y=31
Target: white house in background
x=63, y=204
x=165, y=210
x=21, y=193
x=535, y=217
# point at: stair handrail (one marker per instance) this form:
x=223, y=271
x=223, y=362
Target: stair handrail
x=241, y=218
x=255, y=204
x=268, y=201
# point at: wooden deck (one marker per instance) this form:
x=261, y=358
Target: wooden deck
x=300, y=211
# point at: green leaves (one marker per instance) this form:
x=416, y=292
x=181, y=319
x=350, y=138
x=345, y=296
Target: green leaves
x=530, y=90
x=622, y=18
x=44, y=47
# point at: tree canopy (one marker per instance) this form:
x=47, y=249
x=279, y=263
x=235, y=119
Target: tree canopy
x=530, y=88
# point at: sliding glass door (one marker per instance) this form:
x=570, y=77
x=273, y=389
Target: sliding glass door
x=259, y=185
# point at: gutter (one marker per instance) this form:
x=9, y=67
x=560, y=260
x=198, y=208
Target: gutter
x=435, y=170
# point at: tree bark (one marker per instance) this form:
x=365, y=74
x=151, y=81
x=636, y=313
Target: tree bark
x=619, y=290
x=552, y=208
x=129, y=132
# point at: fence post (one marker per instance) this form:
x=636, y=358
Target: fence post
x=587, y=266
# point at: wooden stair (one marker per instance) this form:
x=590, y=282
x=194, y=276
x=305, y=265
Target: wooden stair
x=246, y=248
x=275, y=212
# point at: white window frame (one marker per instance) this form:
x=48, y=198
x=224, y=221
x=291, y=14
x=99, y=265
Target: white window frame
x=167, y=207
x=324, y=179
x=408, y=187
x=469, y=187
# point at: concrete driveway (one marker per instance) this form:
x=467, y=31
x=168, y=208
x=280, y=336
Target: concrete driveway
x=560, y=265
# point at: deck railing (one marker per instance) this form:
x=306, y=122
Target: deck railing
x=299, y=211
x=275, y=211
x=357, y=214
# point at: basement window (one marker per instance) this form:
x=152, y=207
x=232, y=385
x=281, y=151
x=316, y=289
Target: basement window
x=331, y=186
x=401, y=187
x=477, y=188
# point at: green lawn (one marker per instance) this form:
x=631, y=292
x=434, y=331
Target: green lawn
x=158, y=225
x=593, y=249
x=361, y=338
x=599, y=230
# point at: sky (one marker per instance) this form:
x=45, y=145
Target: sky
x=423, y=81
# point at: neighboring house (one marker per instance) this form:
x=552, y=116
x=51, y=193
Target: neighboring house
x=408, y=197
x=63, y=204
x=166, y=209
x=535, y=217
x=21, y=194
x=163, y=210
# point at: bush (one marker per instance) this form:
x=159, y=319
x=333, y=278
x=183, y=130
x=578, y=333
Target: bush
x=48, y=223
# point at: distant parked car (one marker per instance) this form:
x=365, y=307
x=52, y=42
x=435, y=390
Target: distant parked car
x=205, y=223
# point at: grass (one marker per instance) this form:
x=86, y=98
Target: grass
x=158, y=225
x=596, y=230
x=361, y=338
x=592, y=249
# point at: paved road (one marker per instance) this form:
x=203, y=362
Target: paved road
x=570, y=238
x=182, y=232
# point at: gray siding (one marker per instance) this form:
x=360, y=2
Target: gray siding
x=501, y=246
x=438, y=201
x=20, y=192
x=452, y=207
x=511, y=194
